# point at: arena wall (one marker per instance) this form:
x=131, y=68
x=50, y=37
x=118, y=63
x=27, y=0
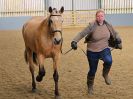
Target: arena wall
x=11, y=23
x=14, y=13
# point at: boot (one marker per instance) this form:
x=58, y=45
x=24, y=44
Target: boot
x=105, y=76
x=90, y=83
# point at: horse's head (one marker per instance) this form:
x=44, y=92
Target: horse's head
x=55, y=24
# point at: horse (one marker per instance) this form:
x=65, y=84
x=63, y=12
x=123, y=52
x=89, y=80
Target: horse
x=43, y=39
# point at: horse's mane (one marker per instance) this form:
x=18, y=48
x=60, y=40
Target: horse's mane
x=45, y=21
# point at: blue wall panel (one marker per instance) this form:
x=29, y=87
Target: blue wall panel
x=120, y=19
x=14, y=23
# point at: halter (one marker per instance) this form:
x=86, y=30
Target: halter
x=55, y=15
x=49, y=24
x=56, y=30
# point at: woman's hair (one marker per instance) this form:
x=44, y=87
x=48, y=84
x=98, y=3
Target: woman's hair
x=100, y=10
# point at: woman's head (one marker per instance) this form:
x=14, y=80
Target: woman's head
x=100, y=16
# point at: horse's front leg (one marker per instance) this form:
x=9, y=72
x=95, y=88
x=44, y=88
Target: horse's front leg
x=56, y=75
x=41, y=72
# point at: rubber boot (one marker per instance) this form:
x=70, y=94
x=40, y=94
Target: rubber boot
x=90, y=83
x=105, y=76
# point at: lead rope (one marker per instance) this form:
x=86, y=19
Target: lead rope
x=82, y=50
x=111, y=49
x=67, y=51
x=72, y=49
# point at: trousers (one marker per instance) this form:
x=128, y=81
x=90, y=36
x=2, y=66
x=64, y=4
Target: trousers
x=94, y=57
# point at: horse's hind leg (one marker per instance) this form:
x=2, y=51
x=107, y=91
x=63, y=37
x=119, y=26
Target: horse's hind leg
x=32, y=69
x=41, y=72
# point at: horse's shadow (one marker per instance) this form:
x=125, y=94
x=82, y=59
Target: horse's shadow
x=26, y=92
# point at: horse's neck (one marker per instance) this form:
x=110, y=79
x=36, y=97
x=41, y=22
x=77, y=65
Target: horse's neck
x=45, y=29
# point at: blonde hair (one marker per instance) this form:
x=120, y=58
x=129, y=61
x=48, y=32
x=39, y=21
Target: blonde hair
x=100, y=10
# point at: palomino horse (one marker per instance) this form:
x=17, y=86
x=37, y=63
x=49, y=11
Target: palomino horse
x=43, y=39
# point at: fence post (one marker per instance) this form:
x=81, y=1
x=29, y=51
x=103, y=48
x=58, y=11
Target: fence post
x=73, y=13
x=46, y=4
x=99, y=4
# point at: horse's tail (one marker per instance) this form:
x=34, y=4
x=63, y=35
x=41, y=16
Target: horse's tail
x=25, y=56
x=23, y=29
x=34, y=57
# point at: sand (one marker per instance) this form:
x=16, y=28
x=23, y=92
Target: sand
x=15, y=78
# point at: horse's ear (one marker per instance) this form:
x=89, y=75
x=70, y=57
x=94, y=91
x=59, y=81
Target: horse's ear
x=61, y=10
x=50, y=9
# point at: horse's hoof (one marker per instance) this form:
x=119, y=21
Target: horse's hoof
x=57, y=97
x=57, y=93
x=39, y=78
x=33, y=90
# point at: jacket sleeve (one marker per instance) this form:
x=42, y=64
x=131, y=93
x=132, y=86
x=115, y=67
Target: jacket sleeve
x=117, y=38
x=83, y=33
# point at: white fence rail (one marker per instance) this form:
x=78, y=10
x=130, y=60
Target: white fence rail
x=22, y=8
x=39, y=7
x=77, y=12
x=117, y=6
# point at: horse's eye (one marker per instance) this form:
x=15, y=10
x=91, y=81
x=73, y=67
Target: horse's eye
x=50, y=21
x=62, y=20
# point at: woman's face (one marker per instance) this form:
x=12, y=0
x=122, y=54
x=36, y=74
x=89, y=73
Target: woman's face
x=100, y=17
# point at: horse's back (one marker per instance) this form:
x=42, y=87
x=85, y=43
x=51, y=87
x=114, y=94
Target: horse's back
x=33, y=23
x=31, y=30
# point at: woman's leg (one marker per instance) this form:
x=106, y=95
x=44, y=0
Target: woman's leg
x=93, y=63
x=107, y=59
x=93, y=67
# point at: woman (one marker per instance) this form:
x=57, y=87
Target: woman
x=100, y=36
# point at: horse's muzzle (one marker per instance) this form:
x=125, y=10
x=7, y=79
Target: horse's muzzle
x=56, y=41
